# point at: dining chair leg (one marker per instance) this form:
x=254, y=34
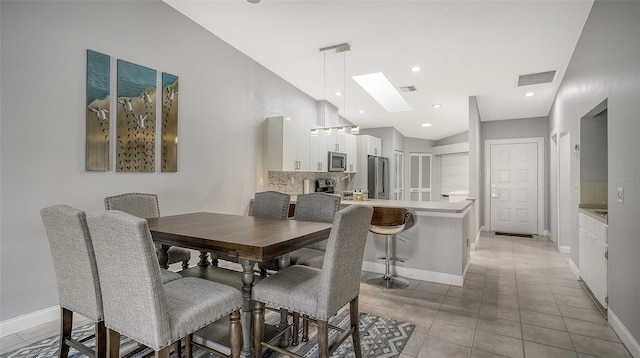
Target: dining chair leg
x=163, y=353
x=323, y=339
x=114, y=343
x=188, y=348
x=355, y=335
x=305, y=328
x=258, y=328
x=66, y=324
x=235, y=333
x=177, y=349
x=296, y=327
x=101, y=340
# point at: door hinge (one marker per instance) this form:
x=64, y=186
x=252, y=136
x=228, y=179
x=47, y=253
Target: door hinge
x=606, y=255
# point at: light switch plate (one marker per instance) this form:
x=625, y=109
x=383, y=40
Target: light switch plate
x=620, y=195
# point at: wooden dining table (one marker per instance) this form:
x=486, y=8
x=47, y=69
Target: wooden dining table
x=247, y=238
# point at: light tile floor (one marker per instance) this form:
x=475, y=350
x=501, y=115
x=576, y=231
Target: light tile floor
x=519, y=299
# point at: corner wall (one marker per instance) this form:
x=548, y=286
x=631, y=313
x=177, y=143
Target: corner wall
x=605, y=65
x=224, y=99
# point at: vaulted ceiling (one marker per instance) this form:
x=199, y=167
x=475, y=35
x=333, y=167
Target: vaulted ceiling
x=463, y=48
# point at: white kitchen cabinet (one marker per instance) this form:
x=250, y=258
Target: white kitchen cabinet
x=351, y=148
x=318, y=154
x=374, y=145
x=288, y=144
x=593, y=252
x=336, y=142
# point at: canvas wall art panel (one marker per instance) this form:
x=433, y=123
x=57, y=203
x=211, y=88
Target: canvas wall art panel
x=97, y=111
x=169, y=122
x=136, y=130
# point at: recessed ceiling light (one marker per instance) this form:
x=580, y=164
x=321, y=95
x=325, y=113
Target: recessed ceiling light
x=427, y=124
x=437, y=105
x=254, y=1
x=361, y=111
x=338, y=93
x=415, y=69
x=529, y=94
x=380, y=88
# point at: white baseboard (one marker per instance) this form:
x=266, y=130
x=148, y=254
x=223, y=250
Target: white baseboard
x=475, y=242
x=626, y=337
x=29, y=320
x=574, y=269
x=564, y=249
x=546, y=233
x=423, y=275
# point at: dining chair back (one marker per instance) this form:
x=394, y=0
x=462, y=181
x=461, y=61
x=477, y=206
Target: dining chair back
x=77, y=276
x=146, y=206
x=135, y=301
x=270, y=205
x=319, y=293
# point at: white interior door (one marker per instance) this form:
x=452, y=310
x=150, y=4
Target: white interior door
x=514, y=188
x=398, y=185
x=420, y=177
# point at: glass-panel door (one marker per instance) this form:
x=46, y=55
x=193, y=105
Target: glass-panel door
x=398, y=185
x=420, y=177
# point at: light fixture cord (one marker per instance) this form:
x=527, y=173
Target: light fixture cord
x=344, y=88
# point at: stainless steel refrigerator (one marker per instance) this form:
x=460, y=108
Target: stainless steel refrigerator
x=378, y=177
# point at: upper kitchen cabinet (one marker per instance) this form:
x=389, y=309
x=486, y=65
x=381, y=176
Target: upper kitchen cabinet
x=288, y=145
x=374, y=145
x=318, y=155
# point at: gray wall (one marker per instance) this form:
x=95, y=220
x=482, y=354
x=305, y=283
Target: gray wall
x=593, y=148
x=456, y=138
x=605, y=65
x=518, y=128
x=475, y=165
x=225, y=97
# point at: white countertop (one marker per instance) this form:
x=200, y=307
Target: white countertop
x=591, y=213
x=434, y=206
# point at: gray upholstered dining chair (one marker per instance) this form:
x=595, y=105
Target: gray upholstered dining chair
x=319, y=294
x=146, y=206
x=270, y=205
x=320, y=207
x=135, y=301
x=77, y=276
x=389, y=222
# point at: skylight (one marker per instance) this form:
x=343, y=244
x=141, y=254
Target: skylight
x=381, y=89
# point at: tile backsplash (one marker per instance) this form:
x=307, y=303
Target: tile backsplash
x=292, y=182
x=593, y=193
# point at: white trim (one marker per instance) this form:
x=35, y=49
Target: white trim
x=29, y=320
x=423, y=275
x=450, y=148
x=574, y=269
x=487, y=169
x=475, y=242
x=564, y=249
x=626, y=337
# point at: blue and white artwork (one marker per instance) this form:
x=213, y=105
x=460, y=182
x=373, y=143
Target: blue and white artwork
x=136, y=118
x=169, y=122
x=97, y=110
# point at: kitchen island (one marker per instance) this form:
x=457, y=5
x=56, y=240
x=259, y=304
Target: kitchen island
x=436, y=248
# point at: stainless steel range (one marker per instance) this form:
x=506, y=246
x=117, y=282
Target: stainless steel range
x=326, y=186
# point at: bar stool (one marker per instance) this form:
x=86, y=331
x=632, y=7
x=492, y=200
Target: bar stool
x=389, y=222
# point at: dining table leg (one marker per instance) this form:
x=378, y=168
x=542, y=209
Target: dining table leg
x=163, y=256
x=284, y=261
x=246, y=316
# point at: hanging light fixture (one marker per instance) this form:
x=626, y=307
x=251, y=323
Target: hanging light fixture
x=344, y=47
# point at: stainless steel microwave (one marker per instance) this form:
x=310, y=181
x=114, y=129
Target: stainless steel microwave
x=337, y=162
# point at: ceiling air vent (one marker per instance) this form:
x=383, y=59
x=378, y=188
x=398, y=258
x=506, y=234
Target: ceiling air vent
x=536, y=78
x=408, y=89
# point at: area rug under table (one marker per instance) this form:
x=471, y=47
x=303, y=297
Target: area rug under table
x=379, y=337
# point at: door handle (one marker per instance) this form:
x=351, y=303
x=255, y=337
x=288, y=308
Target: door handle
x=494, y=195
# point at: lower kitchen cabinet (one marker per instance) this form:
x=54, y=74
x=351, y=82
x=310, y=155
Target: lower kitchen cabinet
x=593, y=256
